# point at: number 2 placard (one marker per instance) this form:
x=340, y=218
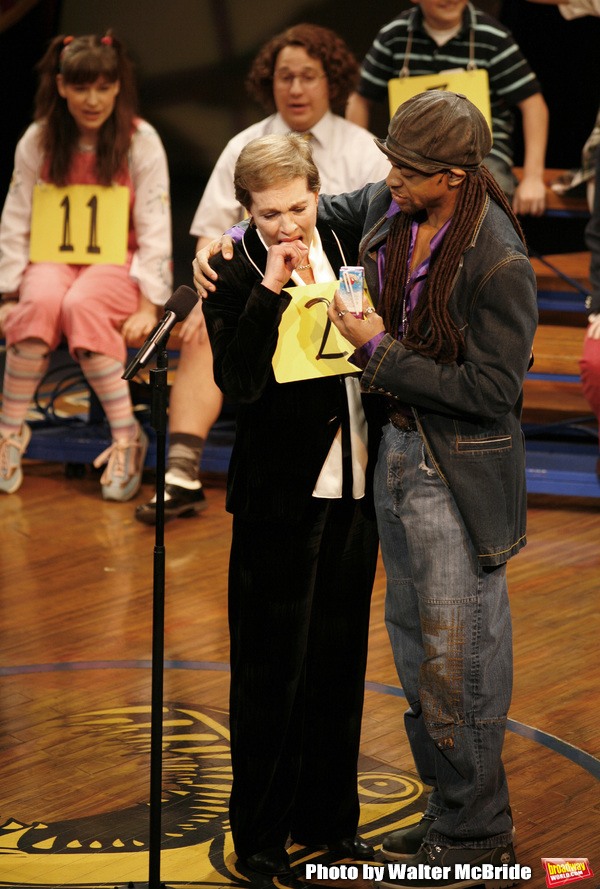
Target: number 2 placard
x=309, y=345
x=79, y=224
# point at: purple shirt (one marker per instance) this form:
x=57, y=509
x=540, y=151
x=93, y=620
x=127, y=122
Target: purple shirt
x=412, y=289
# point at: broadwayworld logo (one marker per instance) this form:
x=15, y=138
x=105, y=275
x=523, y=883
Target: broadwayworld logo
x=566, y=870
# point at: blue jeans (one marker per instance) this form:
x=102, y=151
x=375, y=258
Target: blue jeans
x=449, y=624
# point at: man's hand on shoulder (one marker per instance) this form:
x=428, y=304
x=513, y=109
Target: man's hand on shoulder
x=204, y=275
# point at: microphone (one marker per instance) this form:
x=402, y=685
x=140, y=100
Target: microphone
x=177, y=308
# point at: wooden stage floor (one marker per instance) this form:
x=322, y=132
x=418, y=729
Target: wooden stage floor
x=75, y=649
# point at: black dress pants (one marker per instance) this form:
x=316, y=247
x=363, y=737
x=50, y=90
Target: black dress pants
x=299, y=599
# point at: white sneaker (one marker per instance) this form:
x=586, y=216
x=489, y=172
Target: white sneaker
x=12, y=448
x=122, y=477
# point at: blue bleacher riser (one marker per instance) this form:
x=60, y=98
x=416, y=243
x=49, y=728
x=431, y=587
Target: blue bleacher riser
x=566, y=213
x=554, y=378
x=83, y=442
x=561, y=301
x=563, y=469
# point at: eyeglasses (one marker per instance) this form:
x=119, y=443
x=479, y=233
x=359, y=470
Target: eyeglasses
x=286, y=79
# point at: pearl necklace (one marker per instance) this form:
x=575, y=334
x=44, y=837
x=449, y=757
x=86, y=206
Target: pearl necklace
x=302, y=268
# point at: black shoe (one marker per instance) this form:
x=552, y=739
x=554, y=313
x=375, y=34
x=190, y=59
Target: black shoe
x=459, y=868
x=352, y=847
x=181, y=503
x=406, y=841
x=273, y=862
x=401, y=844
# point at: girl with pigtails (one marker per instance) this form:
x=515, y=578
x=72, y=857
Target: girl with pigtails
x=85, y=133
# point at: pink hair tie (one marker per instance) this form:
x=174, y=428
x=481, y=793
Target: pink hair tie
x=106, y=40
x=66, y=42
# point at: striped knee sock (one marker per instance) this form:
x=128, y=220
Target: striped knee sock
x=26, y=364
x=104, y=374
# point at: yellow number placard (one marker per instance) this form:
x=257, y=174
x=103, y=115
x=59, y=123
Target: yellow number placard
x=79, y=224
x=474, y=85
x=309, y=345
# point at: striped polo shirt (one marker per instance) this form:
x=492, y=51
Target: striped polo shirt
x=494, y=48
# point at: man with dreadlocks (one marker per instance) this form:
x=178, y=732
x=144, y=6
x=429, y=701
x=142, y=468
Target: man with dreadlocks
x=447, y=353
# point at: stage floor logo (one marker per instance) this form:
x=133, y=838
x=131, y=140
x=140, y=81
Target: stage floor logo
x=109, y=849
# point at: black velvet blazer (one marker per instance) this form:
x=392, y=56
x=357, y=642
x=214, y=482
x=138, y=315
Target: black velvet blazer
x=283, y=431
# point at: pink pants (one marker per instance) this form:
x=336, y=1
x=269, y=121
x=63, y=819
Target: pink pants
x=590, y=373
x=85, y=305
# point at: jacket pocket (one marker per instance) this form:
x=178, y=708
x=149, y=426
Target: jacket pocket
x=488, y=445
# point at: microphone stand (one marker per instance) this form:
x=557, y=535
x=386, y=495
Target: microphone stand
x=178, y=308
x=158, y=421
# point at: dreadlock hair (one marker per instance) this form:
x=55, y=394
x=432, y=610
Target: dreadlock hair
x=82, y=60
x=432, y=331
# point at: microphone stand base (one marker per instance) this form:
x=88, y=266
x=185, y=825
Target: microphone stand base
x=144, y=885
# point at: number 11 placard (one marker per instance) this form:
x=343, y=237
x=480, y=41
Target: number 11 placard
x=79, y=224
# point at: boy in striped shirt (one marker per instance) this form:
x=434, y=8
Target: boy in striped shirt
x=438, y=36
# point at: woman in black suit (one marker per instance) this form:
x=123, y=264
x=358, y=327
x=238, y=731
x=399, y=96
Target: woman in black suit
x=304, y=547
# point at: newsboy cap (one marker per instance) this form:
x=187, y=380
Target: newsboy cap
x=437, y=130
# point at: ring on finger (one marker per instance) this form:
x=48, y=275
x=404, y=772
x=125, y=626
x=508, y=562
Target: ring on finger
x=341, y=314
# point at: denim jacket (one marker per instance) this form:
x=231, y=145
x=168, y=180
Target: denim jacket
x=468, y=414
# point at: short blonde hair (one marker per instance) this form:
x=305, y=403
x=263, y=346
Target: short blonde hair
x=271, y=159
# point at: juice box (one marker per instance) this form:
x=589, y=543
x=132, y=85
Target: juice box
x=352, y=283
